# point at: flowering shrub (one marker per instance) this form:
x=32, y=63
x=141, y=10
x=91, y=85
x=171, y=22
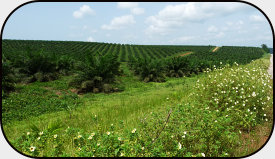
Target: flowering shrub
x=240, y=93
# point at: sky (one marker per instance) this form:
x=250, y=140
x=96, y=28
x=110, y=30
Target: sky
x=147, y=23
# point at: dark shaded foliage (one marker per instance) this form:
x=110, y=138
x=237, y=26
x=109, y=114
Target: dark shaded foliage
x=7, y=78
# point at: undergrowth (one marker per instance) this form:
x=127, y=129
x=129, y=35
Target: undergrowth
x=224, y=103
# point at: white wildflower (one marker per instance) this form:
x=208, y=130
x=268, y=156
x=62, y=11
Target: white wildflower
x=179, y=146
x=32, y=148
x=90, y=137
x=253, y=94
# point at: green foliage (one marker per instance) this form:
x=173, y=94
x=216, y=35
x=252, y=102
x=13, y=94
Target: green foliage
x=34, y=100
x=7, y=79
x=76, y=49
x=177, y=67
x=38, y=62
x=207, y=118
x=31, y=65
x=265, y=48
x=228, y=90
x=95, y=71
x=195, y=63
x=149, y=70
x=208, y=123
x=64, y=64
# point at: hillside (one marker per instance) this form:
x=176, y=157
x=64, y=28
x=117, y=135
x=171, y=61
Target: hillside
x=66, y=99
x=76, y=49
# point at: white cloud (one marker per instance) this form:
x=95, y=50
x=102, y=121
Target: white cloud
x=220, y=34
x=256, y=18
x=234, y=25
x=240, y=22
x=224, y=28
x=212, y=28
x=93, y=31
x=229, y=23
x=90, y=39
x=133, y=6
x=137, y=11
x=119, y=22
x=85, y=27
x=186, y=38
x=83, y=11
x=127, y=5
x=173, y=16
x=183, y=39
x=88, y=29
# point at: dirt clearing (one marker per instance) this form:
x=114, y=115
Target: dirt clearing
x=186, y=53
x=215, y=49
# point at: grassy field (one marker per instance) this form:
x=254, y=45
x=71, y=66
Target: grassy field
x=188, y=116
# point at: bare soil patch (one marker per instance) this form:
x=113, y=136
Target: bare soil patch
x=186, y=53
x=215, y=49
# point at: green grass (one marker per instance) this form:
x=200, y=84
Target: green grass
x=137, y=101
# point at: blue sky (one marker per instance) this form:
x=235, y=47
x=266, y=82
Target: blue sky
x=182, y=23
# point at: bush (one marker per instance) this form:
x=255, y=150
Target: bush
x=95, y=71
x=7, y=77
x=177, y=67
x=149, y=70
x=64, y=64
x=265, y=48
x=34, y=66
x=38, y=62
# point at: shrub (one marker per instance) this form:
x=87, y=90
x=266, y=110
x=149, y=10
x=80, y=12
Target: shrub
x=265, y=48
x=149, y=70
x=64, y=64
x=38, y=62
x=177, y=67
x=95, y=71
x=239, y=91
x=7, y=77
x=34, y=66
